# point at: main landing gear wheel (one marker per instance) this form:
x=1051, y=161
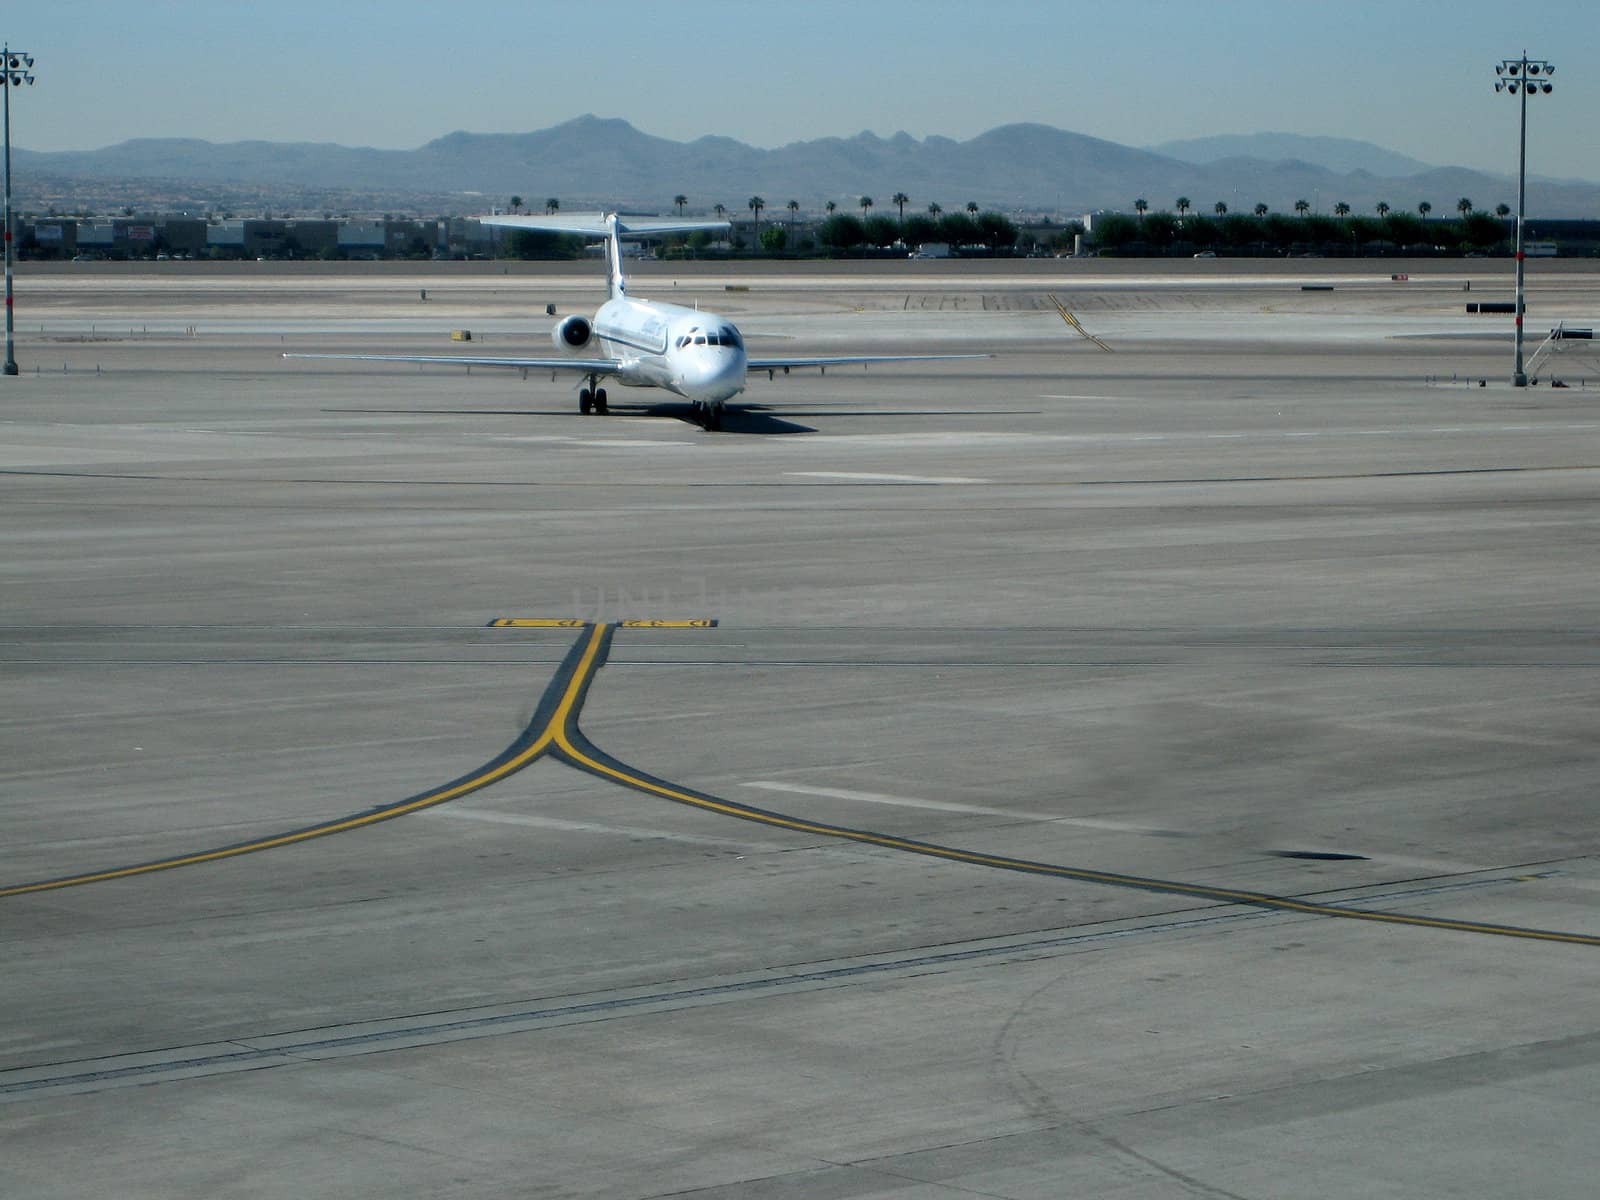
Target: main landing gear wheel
x=585, y=401
x=600, y=401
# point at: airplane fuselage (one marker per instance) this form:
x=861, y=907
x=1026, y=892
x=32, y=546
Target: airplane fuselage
x=693, y=353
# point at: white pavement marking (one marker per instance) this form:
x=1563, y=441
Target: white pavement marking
x=504, y=818
x=876, y=477
x=772, y=785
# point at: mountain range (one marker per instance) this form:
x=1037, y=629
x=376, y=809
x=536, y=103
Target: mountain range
x=591, y=161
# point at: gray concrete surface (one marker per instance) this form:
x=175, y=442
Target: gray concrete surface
x=1272, y=576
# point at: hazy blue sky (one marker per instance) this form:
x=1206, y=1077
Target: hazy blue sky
x=1415, y=77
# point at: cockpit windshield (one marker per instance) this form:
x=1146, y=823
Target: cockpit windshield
x=727, y=335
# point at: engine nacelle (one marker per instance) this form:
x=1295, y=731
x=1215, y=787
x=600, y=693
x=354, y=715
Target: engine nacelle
x=573, y=333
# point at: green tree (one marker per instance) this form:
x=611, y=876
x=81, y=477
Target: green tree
x=1159, y=230
x=918, y=229
x=552, y=206
x=516, y=203
x=773, y=239
x=1115, y=232
x=538, y=244
x=881, y=231
x=958, y=229
x=998, y=230
x=1482, y=232
x=842, y=231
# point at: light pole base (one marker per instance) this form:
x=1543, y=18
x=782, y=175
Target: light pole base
x=1520, y=379
x=11, y=368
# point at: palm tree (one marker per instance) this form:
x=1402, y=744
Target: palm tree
x=794, y=212
x=1302, y=207
x=972, y=208
x=901, y=200
x=1261, y=210
x=866, y=205
x=516, y=203
x=1182, y=206
x=680, y=201
x=756, y=204
x=1341, y=209
x=1383, y=208
x=1141, y=206
x=1220, y=208
x=831, y=207
x=934, y=210
x=1424, y=208
x=1463, y=206
x=1502, y=211
x=720, y=209
x=552, y=206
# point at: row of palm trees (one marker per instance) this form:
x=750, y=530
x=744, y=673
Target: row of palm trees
x=551, y=206
x=1464, y=206
x=757, y=205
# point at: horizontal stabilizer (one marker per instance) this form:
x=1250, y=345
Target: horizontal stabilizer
x=588, y=366
x=852, y=360
x=599, y=224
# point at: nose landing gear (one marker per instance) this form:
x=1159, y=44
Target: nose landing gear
x=592, y=398
x=708, y=415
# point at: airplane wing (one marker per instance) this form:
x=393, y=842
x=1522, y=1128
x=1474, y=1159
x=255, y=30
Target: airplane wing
x=588, y=366
x=847, y=360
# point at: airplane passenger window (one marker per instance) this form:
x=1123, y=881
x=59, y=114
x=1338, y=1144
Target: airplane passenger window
x=700, y=340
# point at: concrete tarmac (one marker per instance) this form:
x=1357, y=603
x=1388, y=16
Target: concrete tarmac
x=1159, y=766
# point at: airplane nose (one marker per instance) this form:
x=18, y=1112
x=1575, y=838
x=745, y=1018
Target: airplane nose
x=715, y=377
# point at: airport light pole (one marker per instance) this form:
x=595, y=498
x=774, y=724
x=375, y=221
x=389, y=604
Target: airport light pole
x=1522, y=77
x=16, y=69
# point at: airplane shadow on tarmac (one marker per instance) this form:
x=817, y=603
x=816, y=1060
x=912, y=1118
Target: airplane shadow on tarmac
x=756, y=420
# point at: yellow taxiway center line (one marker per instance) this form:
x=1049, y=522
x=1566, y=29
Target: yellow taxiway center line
x=579, y=757
x=539, y=746
x=558, y=734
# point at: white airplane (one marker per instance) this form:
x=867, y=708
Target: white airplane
x=642, y=343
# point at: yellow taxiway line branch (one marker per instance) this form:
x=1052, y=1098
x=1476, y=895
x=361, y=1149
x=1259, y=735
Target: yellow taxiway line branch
x=561, y=698
x=555, y=730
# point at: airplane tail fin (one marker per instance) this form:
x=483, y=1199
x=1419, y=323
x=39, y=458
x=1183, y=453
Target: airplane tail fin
x=616, y=285
x=611, y=227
